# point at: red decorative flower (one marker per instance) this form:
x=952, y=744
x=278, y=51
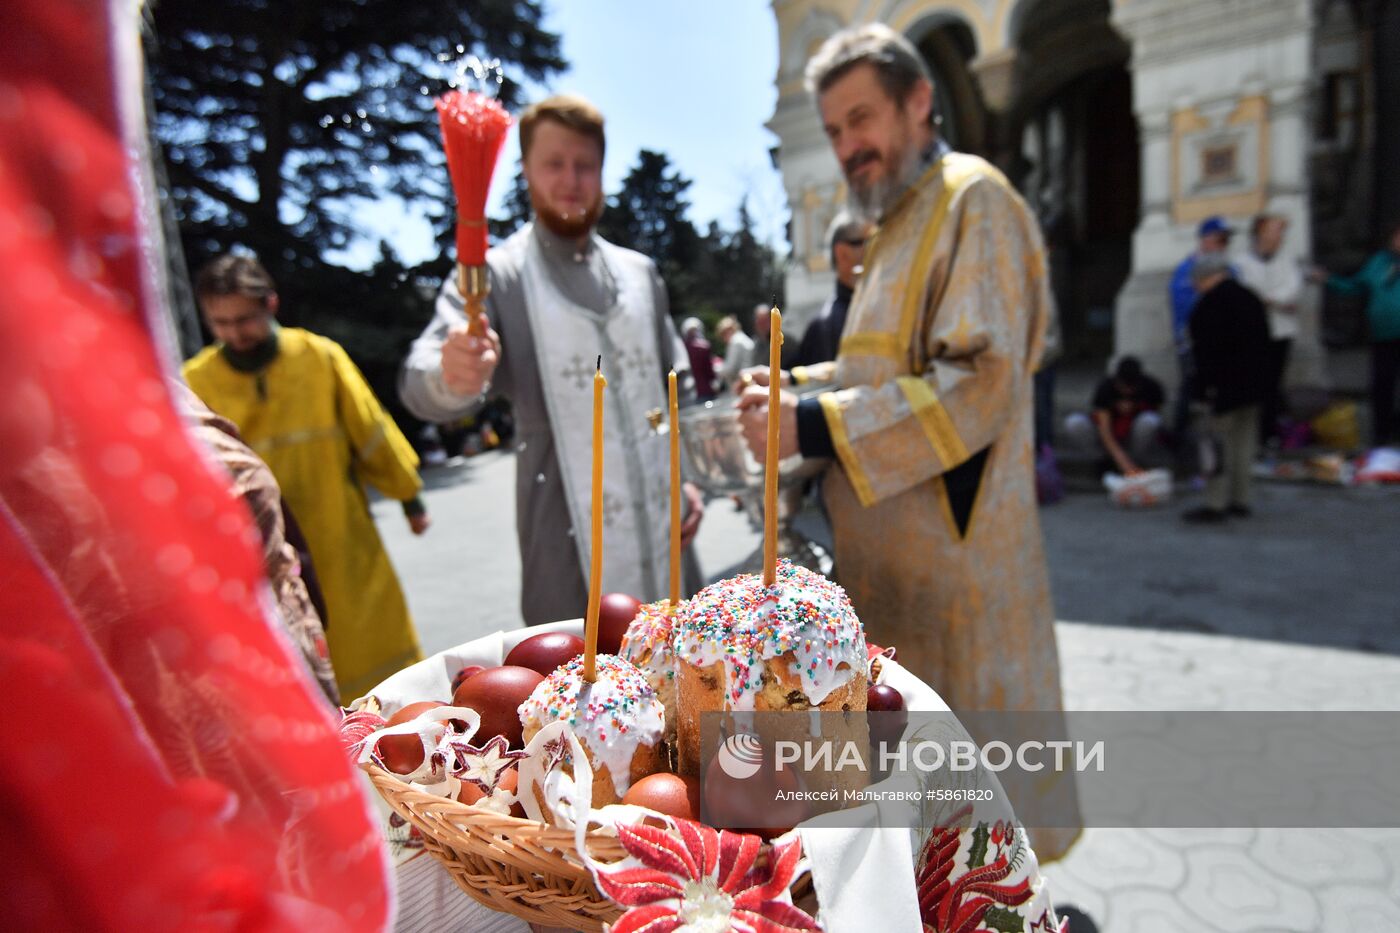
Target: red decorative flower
x=694, y=878
x=873, y=651
x=355, y=727
x=961, y=904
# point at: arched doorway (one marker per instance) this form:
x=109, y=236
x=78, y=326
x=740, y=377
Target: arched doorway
x=1079, y=150
x=947, y=45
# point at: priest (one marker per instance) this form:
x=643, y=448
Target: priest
x=305, y=409
x=928, y=414
x=561, y=296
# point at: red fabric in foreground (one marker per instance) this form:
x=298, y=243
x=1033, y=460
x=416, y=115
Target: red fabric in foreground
x=169, y=765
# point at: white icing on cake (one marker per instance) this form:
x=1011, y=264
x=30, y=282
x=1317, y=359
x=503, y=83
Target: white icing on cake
x=612, y=716
x=743, y=624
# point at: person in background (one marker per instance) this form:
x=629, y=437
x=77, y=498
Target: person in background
x=561, y=298
x=758, y=354
x=1379, y=278
x=302, y=406
x=1124, y=424
x=1230, y=349
x=1212, y=239
x=738, y=349
x=702, y=360
x=846, y=239
x=1278, y=281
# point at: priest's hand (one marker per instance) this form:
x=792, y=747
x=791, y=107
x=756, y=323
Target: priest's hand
x=468, y=362
x=694, y=511
x=757, y=376
x=419, y=523
x=753, y=420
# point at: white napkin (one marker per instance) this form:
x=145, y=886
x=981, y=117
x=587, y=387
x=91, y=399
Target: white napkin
x=863, y=875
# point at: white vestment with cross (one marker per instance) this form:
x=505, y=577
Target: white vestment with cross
x=569, y=339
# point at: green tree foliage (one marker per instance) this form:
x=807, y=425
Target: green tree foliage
x=275, y=116
x=707, y=275
x=753, y=266
x=649, y=213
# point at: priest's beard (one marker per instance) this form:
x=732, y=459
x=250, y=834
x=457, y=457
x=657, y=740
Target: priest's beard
x=570, y=226
x=868, y=204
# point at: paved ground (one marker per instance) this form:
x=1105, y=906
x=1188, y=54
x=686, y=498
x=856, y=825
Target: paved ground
x=1316, y=565
x=1294, y=609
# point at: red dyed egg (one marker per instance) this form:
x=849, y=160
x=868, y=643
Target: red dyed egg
x=671, y=794
x=471, y=670
x=887, y=718
x=883, y=698
x=403, y=754
x=615, y=613
x=496, y=694
x=753, y=804
x=546, y=651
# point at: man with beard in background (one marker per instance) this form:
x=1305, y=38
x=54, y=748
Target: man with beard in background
x=562, y=296
x=928, y=417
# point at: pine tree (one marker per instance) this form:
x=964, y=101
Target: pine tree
x=273, y=115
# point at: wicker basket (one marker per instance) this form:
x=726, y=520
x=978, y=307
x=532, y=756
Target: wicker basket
x=509, y=864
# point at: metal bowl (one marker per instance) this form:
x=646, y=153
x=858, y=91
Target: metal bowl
x=719, y=459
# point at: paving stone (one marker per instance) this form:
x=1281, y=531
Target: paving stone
x=1321, y=857
x=1348, y=908
x=1236, y=893
x=1144, y=910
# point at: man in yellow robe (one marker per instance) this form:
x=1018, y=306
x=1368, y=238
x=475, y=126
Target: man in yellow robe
x=929, y=417
x=302, y=405
x=932, y=494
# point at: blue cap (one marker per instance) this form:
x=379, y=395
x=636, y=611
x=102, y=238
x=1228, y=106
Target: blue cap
x=1215, y=224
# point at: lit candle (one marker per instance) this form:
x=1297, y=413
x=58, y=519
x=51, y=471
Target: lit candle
x=595, y=575
x=770, y=467
x=675, y=494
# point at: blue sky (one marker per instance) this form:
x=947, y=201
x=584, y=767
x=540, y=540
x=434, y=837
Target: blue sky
x=692, y=80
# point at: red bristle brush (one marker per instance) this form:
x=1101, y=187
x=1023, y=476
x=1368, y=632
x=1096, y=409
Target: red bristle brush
x=474, y=129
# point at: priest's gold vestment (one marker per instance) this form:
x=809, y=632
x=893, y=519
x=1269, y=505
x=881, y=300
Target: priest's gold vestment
x=945, y=330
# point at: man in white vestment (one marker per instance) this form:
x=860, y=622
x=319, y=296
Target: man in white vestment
x=561, y=296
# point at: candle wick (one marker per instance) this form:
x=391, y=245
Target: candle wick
x=600, y=363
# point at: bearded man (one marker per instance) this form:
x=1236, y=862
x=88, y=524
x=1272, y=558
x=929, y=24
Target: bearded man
x=561, y=296
x=304, y=408
x=928, y=418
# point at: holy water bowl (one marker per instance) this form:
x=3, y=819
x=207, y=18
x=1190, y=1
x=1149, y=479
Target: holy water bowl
x=719, y=458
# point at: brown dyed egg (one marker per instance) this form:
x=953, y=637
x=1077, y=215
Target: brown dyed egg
x=510, y=780
x=615, y=613
x=546, y=651
x=672, y=794
x=402, y=754
x=496, y=694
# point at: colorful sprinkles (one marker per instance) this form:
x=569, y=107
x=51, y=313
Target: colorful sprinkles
x=647, y=643
x=611, y=716
x=742, y=623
